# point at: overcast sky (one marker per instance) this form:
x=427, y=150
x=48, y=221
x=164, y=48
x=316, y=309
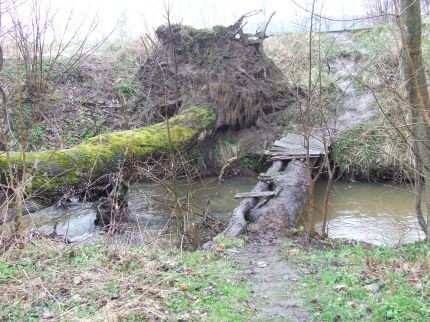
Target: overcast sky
x=138, y=16
x=149, y=14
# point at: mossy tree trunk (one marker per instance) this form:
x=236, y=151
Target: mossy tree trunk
x=52, y=173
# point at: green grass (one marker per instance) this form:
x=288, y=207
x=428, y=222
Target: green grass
x=6, y=271
x=354, y=283
x=380, y=38
x=250, y=162
x=120, y=282
x=128, y=89
x=207, y=292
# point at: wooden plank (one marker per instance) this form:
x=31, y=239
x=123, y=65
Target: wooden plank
x=294, y=152
x=286, y=158
x=295, y=147
x=277, y=191
x=287, y=143
x=311, y=154
x=265, y=178
x=260, y=194
x=292, y=157
x=298, y=140
x=274, y=148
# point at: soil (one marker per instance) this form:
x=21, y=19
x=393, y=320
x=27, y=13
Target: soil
x=270, y=279
x=222, y=66
x=356, y=105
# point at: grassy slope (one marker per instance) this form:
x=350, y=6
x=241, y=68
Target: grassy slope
x=94, y=97
x=342, y=282
x=50, y=280
x=370, y=151
x=347, y=282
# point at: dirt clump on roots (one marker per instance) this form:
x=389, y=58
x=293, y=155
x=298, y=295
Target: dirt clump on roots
x=222, y=66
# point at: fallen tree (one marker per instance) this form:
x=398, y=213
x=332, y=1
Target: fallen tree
x=54, y=172
x=273, y=216
x=238, y=223
x=188, y=70
x=282, y=211
x=221, y=65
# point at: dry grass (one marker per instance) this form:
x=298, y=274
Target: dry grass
x=224, y=151
x=49, y=280
x=290, y=52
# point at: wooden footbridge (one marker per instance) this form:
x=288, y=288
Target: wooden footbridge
x=281, y=193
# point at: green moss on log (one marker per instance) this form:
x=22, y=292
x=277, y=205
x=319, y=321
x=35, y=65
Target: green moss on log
x=53, y=170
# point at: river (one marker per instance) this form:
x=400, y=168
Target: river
x=372, y=212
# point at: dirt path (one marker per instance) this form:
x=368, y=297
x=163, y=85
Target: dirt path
x=271, y=279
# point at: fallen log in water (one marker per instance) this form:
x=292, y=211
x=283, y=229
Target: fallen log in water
x=272, y=218
x=284, y=210
x=54, y=172
x=237, y=225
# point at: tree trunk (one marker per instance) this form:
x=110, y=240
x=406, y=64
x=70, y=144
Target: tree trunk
x=272, y=219
x=5, y=132
x=284, y=210
x=54, y=172
x=237, y=224
x=418, y=96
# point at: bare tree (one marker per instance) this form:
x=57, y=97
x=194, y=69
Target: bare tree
x=6, y=129
x=419, y=103
x=49, y=53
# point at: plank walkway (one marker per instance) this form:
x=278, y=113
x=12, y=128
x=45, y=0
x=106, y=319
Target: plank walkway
x=290, y=147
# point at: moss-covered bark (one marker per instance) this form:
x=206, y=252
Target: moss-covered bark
x=53, y=171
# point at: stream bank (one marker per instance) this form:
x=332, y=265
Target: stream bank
x=326, y=280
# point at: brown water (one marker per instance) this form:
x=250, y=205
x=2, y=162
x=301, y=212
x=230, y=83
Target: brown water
x=371, y=212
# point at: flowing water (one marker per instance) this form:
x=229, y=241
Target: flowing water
x=372, y=212
x=72, y=224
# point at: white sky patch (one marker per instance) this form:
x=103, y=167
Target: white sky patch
x=131, y=18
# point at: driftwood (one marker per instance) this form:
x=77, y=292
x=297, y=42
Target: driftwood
x=225, y=166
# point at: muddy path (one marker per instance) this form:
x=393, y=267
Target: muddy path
x=270, y=279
